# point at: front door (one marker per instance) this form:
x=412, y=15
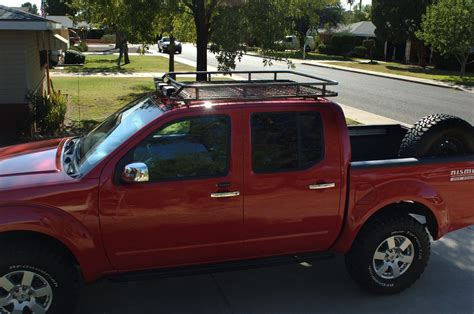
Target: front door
x=191, y=210
x=292, y=175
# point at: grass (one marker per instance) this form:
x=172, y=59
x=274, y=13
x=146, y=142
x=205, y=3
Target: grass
x=430, y=73
x=294, y=54
x=352, y=122
x=108, y=63
x=93, y=99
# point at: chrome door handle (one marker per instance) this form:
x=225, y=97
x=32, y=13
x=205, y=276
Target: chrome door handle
x=225, y=194
x=322, y=186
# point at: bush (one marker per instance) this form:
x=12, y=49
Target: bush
x=343, y=44
x=360, y=52
x=74, y=57
x=450, y=63
x=48, y=112
x=83, y=46
x=94, y=34
x=109, y=39
x=326, y=49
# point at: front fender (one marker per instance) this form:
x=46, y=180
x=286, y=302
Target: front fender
x=366, y=200
x=84, y=244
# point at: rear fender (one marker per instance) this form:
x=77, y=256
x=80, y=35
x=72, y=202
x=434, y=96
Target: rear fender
x=59, y=225
x=367, y=200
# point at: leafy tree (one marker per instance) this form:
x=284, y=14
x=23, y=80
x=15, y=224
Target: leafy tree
x=60, y=7
x=304, y=14
x=331, y=15
x=370, y=45
x=398, y=20
x=448, y=26
x=358, y=15
x=226, y=24
x=32, y=8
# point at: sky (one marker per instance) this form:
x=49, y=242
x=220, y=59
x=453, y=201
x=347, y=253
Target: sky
x=18, y=3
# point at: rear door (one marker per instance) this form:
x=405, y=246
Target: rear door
x=292, y=176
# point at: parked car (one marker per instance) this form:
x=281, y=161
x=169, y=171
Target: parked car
x=74, y=38
x=164, y=44
x=229, y=173
x=292, y=42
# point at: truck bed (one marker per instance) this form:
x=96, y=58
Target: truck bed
x=376, y=142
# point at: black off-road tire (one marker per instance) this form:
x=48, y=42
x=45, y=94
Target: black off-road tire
x=51, y=264
x=438, y=135
x=359, y=260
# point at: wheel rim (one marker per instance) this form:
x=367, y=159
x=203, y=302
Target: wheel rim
x=448, y=146
x=22, y=291
x=393, y=257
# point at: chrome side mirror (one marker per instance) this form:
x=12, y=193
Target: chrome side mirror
x=135, y=172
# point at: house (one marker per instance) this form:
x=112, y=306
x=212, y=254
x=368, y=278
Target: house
x=363, y=30
x=25, y=40
x=66, y=24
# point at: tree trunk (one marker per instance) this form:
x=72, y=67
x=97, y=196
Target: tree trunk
x=125, y=52
x=465, y=57
x=171, y=50
x=202, y=34
x=119, y=61
x=421, y=50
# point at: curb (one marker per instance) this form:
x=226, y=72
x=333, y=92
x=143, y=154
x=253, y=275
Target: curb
x=393, y=76
x=368, y=118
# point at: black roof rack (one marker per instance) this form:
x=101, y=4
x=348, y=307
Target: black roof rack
x=249, y=85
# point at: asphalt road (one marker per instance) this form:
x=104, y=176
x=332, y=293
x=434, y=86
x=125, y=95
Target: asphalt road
x=398, y=100
x=447, y=286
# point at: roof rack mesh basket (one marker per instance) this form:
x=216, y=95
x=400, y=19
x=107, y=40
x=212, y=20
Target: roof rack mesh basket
x=243, y=85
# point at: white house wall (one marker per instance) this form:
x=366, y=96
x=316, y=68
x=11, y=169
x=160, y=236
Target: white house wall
x=20, y=69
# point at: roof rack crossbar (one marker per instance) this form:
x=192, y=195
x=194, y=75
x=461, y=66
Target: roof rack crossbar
x=249, y=86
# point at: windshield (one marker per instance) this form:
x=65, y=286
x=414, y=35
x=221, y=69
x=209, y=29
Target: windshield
x=114, y=131
x=165, y=39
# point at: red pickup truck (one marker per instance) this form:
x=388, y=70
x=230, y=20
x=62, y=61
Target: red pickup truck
x=213, y=173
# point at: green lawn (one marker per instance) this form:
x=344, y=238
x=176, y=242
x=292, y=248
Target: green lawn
x=95, y=98
x=411, y=70
x=309, y=56
x=108, y=63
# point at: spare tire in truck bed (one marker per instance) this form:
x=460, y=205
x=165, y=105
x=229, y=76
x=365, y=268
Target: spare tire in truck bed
x=438, y=135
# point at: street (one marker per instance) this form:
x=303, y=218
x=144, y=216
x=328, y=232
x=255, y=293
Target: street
x=398, y=100
x=447, y=286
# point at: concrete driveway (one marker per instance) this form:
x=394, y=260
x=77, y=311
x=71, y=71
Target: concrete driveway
x=447, y=286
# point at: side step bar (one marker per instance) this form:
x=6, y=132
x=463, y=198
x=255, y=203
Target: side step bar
x=221, y=267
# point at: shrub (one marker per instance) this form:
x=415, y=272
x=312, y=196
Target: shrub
x=143, y=49
x=48, y=112
x=109, y=39
x=83, y=46
x=359, y=52
x=370, y=45
x=343, y=44
x=326, y=49
x=74, y=57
